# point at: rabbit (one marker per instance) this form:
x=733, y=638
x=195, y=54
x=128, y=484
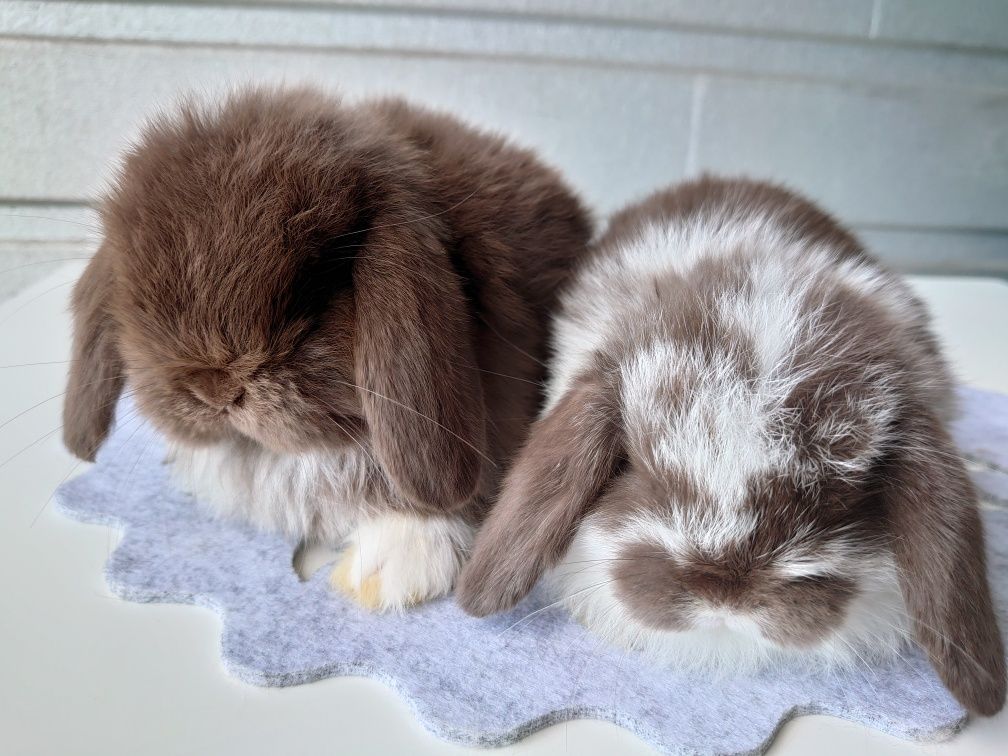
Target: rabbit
x=743, y=458
x=336, y=315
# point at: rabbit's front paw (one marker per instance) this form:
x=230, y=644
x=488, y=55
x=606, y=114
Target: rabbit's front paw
x=394, y=561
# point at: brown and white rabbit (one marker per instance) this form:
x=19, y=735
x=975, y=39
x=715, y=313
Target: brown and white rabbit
x=337, y=315
x=744, y=455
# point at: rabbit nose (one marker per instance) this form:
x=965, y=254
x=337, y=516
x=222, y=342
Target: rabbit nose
x=716, y=585
x=217, y=389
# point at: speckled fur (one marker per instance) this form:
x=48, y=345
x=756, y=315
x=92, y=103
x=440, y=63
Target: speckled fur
x=744, y=454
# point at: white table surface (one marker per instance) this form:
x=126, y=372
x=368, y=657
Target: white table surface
x=82, y=672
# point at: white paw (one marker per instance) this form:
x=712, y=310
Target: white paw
x=394, y=561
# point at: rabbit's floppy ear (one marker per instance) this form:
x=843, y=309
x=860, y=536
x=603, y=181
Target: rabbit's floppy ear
x=569, y=457
x=939, y=548
x=415, y=365
x=96, y=370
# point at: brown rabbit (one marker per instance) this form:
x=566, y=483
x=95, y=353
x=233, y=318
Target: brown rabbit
x=744, y=457
x=335, y=313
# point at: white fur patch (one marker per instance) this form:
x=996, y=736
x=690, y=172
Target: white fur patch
x=682, y=531
x=323, y=497
x=677, y=247
x=397, y=560
x=315, y=495
x=715, y=427
x=579, y=330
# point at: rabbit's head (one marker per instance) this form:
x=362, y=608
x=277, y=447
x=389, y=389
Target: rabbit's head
x=274, y=269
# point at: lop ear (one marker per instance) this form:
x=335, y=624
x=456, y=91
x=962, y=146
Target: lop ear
x=570, y=455
x=939, y=549
x=96, y=371
x=415, y=366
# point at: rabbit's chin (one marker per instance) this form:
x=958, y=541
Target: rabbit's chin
x=874, y=627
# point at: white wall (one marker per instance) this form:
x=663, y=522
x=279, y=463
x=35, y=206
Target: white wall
x=893, y=113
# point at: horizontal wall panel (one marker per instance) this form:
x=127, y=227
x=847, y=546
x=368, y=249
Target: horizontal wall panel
x=980, y=23
x=851, y=18
x=872, y=155
x=892, y=113
x=945, y=253
x=362, y=29
x=615, y=133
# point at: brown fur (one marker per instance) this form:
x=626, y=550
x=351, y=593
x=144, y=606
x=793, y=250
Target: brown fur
x=310, y=274
x=938, y=540
x=97, y=367
x=559, y=473
x=658, y=590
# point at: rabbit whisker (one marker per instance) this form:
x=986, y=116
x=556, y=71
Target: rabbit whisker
x=421, y=414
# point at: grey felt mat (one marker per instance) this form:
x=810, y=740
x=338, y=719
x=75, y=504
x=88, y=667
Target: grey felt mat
x=490, y=682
